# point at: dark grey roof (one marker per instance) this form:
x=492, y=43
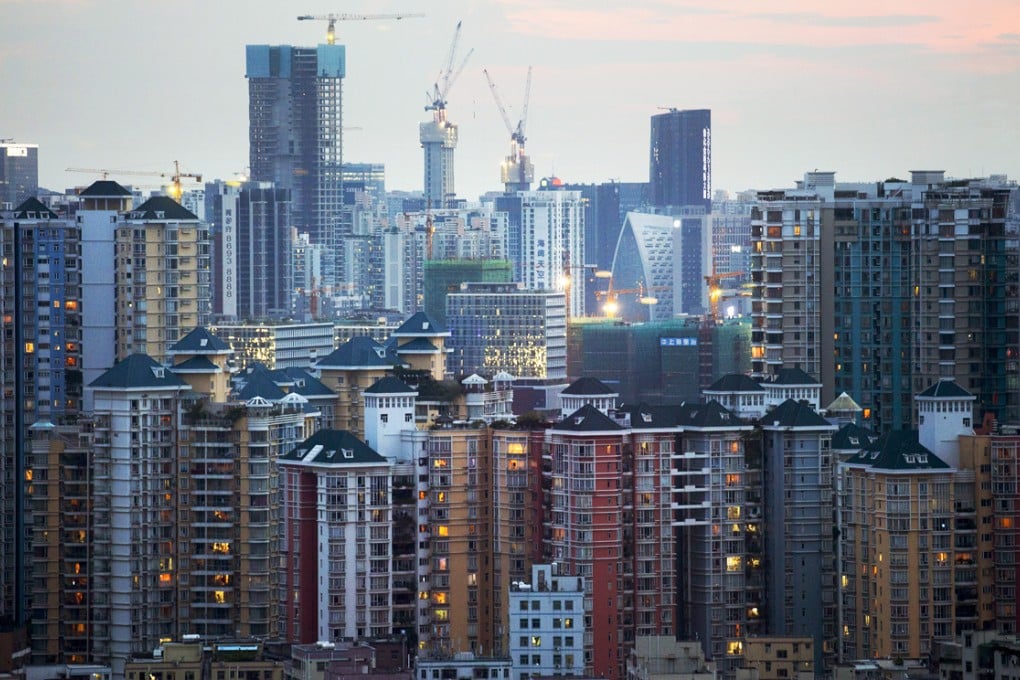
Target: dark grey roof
x=302, y=382
x=359, y=352
x=735, y=382
x=332, y=447
x=196, y=365
x=791, y=376
x=946, y=388
x=138, y=370
x=418, y=345
x=161, y=208
x=899, y=450
x=104, y=188
x=647, y=417
x=200, y=341
x=794, y=414
x=711, y=414
x=389, y=385
x=420, y=324
x=33, y=209
x=587, y=419
x=852, y=436
x=259, y=383
x=587, y=387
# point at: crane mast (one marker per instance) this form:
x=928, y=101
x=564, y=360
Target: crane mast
x=516, y=171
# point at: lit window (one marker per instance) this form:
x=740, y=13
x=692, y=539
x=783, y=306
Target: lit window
x=443, y=530
x=536, y=640
x=733, y=563
x=220, y=596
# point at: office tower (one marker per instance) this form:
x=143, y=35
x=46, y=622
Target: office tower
x=100, y=207
x=277, y=345
x=504, y=327
x=366, y=178
x=720, y=582
x=162, y=284
x=642, y=285
x=540, y=644
x=920, y=266
x=680, y=168
x=551, y=243
x=337, y=537
x=19, y=173
x=445, y=276
x=41, y=360
x=797, y=484
x=295, y=114
x=261, y=252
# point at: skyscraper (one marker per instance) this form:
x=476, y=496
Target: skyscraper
x=680, y=168
x=19, y=173
x=295, y=130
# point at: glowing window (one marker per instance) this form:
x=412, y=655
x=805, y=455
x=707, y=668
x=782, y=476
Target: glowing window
x=733, y=563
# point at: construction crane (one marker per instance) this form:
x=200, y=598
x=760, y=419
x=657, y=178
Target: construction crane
x=715, y=291
x=447, y=77
x=517, y=172
x=343, y=16
x=175, y=191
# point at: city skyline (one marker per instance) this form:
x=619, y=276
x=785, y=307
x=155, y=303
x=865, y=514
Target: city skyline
x=99, y=85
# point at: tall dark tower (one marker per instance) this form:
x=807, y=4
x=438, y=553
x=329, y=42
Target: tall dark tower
x=680, y=167
x=295, y=132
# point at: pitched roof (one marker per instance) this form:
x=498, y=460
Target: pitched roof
x=332, y=447
x=302, y=382
x=852, y=437
x=587, y=387
x=417, y=346
x=794, y=414
x=259, y=383
x=389, y=385
x=899, y=450
x=791, y=376
x=138, y=371
x=33, y=209
x=711, y=414
x=200, y=341
x=946, y=388
x=359, y=352
x=587, y=419
x=195, y=365
x=647, y=417
x=420, y=324
x=735, y=382
x=104, y=188
x=161, y=208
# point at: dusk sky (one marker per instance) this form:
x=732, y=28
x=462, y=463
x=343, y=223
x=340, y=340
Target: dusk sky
x=869, y=88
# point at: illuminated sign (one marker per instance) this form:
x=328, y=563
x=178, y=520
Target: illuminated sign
x=678, y=342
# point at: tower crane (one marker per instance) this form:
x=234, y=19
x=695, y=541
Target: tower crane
x=517, y=172
x=175, y=177
x=447, y=77
x=715, y=291
x=332, y=18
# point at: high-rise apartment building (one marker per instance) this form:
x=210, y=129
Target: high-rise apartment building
x=41, y=361
x=925, y=269
x=295, y=113
x=338, y=537
x=162, y=277
x=680, y=167
x=539, y=643
x=19, y=173
x=439, y=140
x=101, y=206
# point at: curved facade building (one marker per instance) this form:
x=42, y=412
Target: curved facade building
x=643, y=267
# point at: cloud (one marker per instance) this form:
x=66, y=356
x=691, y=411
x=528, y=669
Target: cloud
x=846, y=21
